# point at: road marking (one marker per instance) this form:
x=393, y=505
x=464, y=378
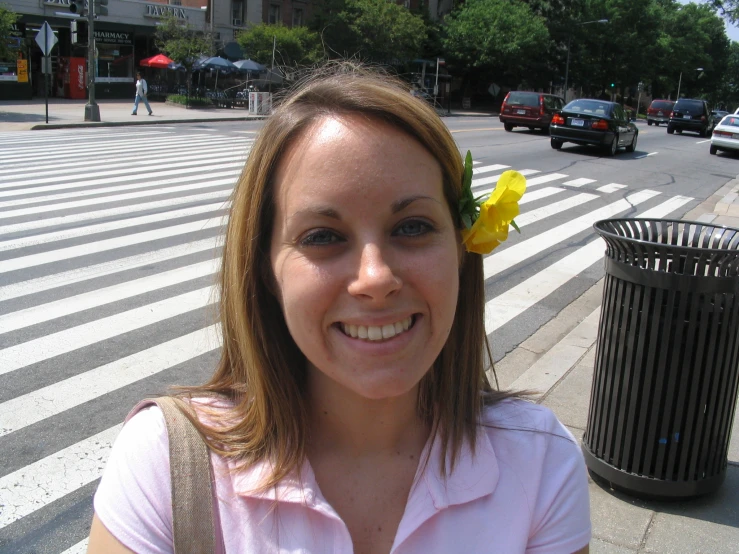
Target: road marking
x=476, y=183
x=703, y=141
x=488, y=168
x=185, y=167
x=79, y=548
x=37, y=485
x=107, y=295
x=646, y=155
x=49, y=401
x=521, y=251
x=48, y=282
x=32, y=260
x=55, y=344
x=475, y=130
x=109, y=198
x=112, y=212
x=579, y=182
x=544, y=179
x=503, y=308
x=611, y=187
x=555, y=208
x=115, y=225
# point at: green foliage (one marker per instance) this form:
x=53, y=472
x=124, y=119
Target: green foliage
x=7, y=18
x=184, y=100
x=297, y=46
x=180, y=42
x=371, y=30
x=504, y=35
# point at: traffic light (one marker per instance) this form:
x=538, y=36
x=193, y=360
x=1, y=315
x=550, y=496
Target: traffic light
x=79, y=32
x=613, y=85
x=101, y=7
x=78, y=6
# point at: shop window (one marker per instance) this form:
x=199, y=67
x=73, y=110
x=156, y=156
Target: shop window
x=297, y=17
x=114, y=63
x=274, y=14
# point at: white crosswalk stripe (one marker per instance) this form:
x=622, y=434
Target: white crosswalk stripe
x=108, y=263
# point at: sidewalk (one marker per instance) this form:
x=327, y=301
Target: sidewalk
x=558, y=360
x=20, y=115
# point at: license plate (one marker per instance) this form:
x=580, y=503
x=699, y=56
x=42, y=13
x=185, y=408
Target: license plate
x=660, y=113
x=735, y=136
x=686, y=117
x=521, y=112
x=577, y=122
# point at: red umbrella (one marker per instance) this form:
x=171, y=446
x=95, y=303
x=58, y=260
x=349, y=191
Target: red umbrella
x=160, y=60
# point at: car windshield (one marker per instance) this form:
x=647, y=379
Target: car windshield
x=692, y=105
x=662, y=105
x=594, y=107
x=530, y=99
x=730, y=121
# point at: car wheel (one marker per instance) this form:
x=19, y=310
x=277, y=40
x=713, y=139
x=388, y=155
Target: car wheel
x=656, y=123
x=531, y=128
x=679, y=131
x=649, y=123
x=508, y=127
x=631, y=147
x=556, y=144
x=713, y=150
x=670, y=130
x=613, y=148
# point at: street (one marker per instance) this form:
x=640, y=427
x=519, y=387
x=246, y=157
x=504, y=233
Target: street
x=109, y=243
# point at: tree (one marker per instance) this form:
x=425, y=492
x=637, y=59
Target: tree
x=294, y=47
x=372, y=30
x=7, y=19
x=182, y=44
x=501, y=36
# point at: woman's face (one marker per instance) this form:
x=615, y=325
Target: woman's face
x=365, y=255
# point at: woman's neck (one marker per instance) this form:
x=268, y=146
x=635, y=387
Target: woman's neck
x=346, y=423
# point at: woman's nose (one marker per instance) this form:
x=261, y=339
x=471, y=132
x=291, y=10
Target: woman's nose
x=375, y=277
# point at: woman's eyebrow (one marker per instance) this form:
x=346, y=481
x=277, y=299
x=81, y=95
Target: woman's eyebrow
x=325, y=211
x=402, y=204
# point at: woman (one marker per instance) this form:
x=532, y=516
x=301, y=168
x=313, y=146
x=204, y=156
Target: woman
x=355, y=414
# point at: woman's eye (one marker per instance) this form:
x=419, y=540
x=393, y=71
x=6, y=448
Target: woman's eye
x=413, y=228
x=320, y=237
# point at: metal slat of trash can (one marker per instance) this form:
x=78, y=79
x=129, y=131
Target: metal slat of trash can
x=666, y=372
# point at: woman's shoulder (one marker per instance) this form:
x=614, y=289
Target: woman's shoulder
x=527, y=422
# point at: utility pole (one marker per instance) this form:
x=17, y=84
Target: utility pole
x=92, y=110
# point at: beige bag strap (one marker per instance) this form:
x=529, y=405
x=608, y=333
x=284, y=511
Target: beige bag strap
x=191, y=475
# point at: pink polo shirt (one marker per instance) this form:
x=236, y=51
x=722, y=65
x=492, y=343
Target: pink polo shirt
x=524, y=490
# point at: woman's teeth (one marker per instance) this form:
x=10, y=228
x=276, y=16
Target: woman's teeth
x=371, y=332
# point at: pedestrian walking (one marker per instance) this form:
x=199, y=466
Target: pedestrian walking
x=142, y=89
x=351, y=409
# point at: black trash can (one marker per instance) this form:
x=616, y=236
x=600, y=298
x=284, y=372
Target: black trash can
x=667, y=358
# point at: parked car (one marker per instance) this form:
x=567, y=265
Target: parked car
x=529, y=109
x=689, y=114
x=726, y=135
x=596, y=122
x=659, y=111
x=718, y=115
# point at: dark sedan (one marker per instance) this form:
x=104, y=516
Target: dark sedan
x=595, y=122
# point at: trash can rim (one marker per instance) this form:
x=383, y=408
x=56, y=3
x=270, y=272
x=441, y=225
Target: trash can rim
x=648, y=242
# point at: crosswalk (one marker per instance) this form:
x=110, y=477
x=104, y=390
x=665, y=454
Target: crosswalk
x=109, y=247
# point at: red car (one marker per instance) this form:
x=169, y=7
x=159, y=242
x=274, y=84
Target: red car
x=529, y=109
x=659, y=111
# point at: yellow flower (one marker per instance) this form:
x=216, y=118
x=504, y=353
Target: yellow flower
x=496, y=214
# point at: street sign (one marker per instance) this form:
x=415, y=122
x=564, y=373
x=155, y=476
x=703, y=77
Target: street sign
x=46, y=39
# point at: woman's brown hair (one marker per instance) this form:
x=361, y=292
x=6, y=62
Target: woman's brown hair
x=261, y=369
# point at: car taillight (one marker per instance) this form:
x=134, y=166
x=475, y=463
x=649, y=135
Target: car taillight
x=600, y=125
x=672, y=114
x=558, y=119
x=542, y=111
x=722, y=134
x=703, y=118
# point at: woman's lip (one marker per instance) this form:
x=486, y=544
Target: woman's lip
x=381, y=347
x=377, y=322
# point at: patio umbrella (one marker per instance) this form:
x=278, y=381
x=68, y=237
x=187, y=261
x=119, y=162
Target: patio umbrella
x=250, y=66
x=217, y=63
x=160, y=60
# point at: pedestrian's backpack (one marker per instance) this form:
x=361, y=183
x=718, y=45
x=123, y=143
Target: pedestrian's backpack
x=193, y=517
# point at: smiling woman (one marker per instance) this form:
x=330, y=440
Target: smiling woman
x=351, y=411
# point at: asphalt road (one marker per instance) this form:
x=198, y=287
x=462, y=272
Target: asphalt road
x=108, y=239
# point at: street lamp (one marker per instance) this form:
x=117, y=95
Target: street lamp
x=569, y=43
x=681, y=80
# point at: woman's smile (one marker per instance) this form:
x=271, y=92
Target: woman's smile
x=376, y=332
